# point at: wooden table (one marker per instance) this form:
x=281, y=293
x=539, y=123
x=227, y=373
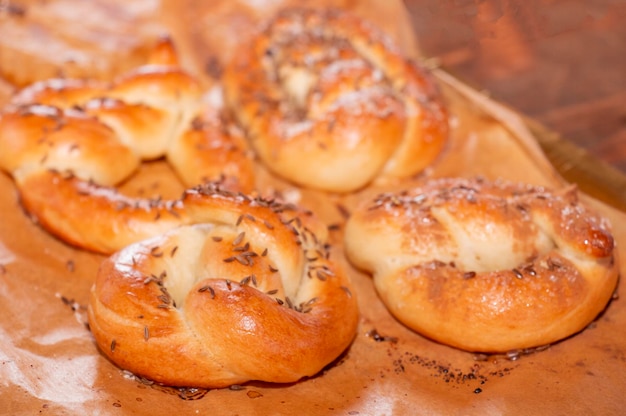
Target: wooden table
x=561, y=63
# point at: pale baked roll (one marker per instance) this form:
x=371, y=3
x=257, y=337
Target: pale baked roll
x=329, y=102
x=486, y=266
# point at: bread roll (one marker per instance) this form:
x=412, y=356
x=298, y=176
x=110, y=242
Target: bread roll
x=328, y=102
x=486, y=266
x=249, y=291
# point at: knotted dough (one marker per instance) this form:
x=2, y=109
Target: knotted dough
x=247, y=291
x=327, y=101
x=68, y=143
x=486, y=266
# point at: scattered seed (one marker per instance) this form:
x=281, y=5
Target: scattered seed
x=245, y=261
x=245, y=247
x=345, y=213
x=209, y=288
x=380, y=338
x=554, y=263
x=239, y=238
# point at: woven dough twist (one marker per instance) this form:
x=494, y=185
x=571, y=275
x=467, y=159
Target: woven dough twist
x=68, y=142
x=247, y=292
x=484, y=266
x=328, y=102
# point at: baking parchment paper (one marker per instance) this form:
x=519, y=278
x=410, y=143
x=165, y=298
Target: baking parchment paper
x=49, y=363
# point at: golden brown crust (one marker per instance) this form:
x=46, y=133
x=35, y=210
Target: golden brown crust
x=328, y=102
x=485, y=266
x=99, y=134
x=248, y=292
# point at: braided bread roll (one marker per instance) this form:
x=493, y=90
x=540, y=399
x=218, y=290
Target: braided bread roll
x=328, y=102
x=247, y=292
x=67, y=143
x=486, y=266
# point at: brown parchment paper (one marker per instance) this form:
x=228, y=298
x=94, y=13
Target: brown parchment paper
x=49, y=363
